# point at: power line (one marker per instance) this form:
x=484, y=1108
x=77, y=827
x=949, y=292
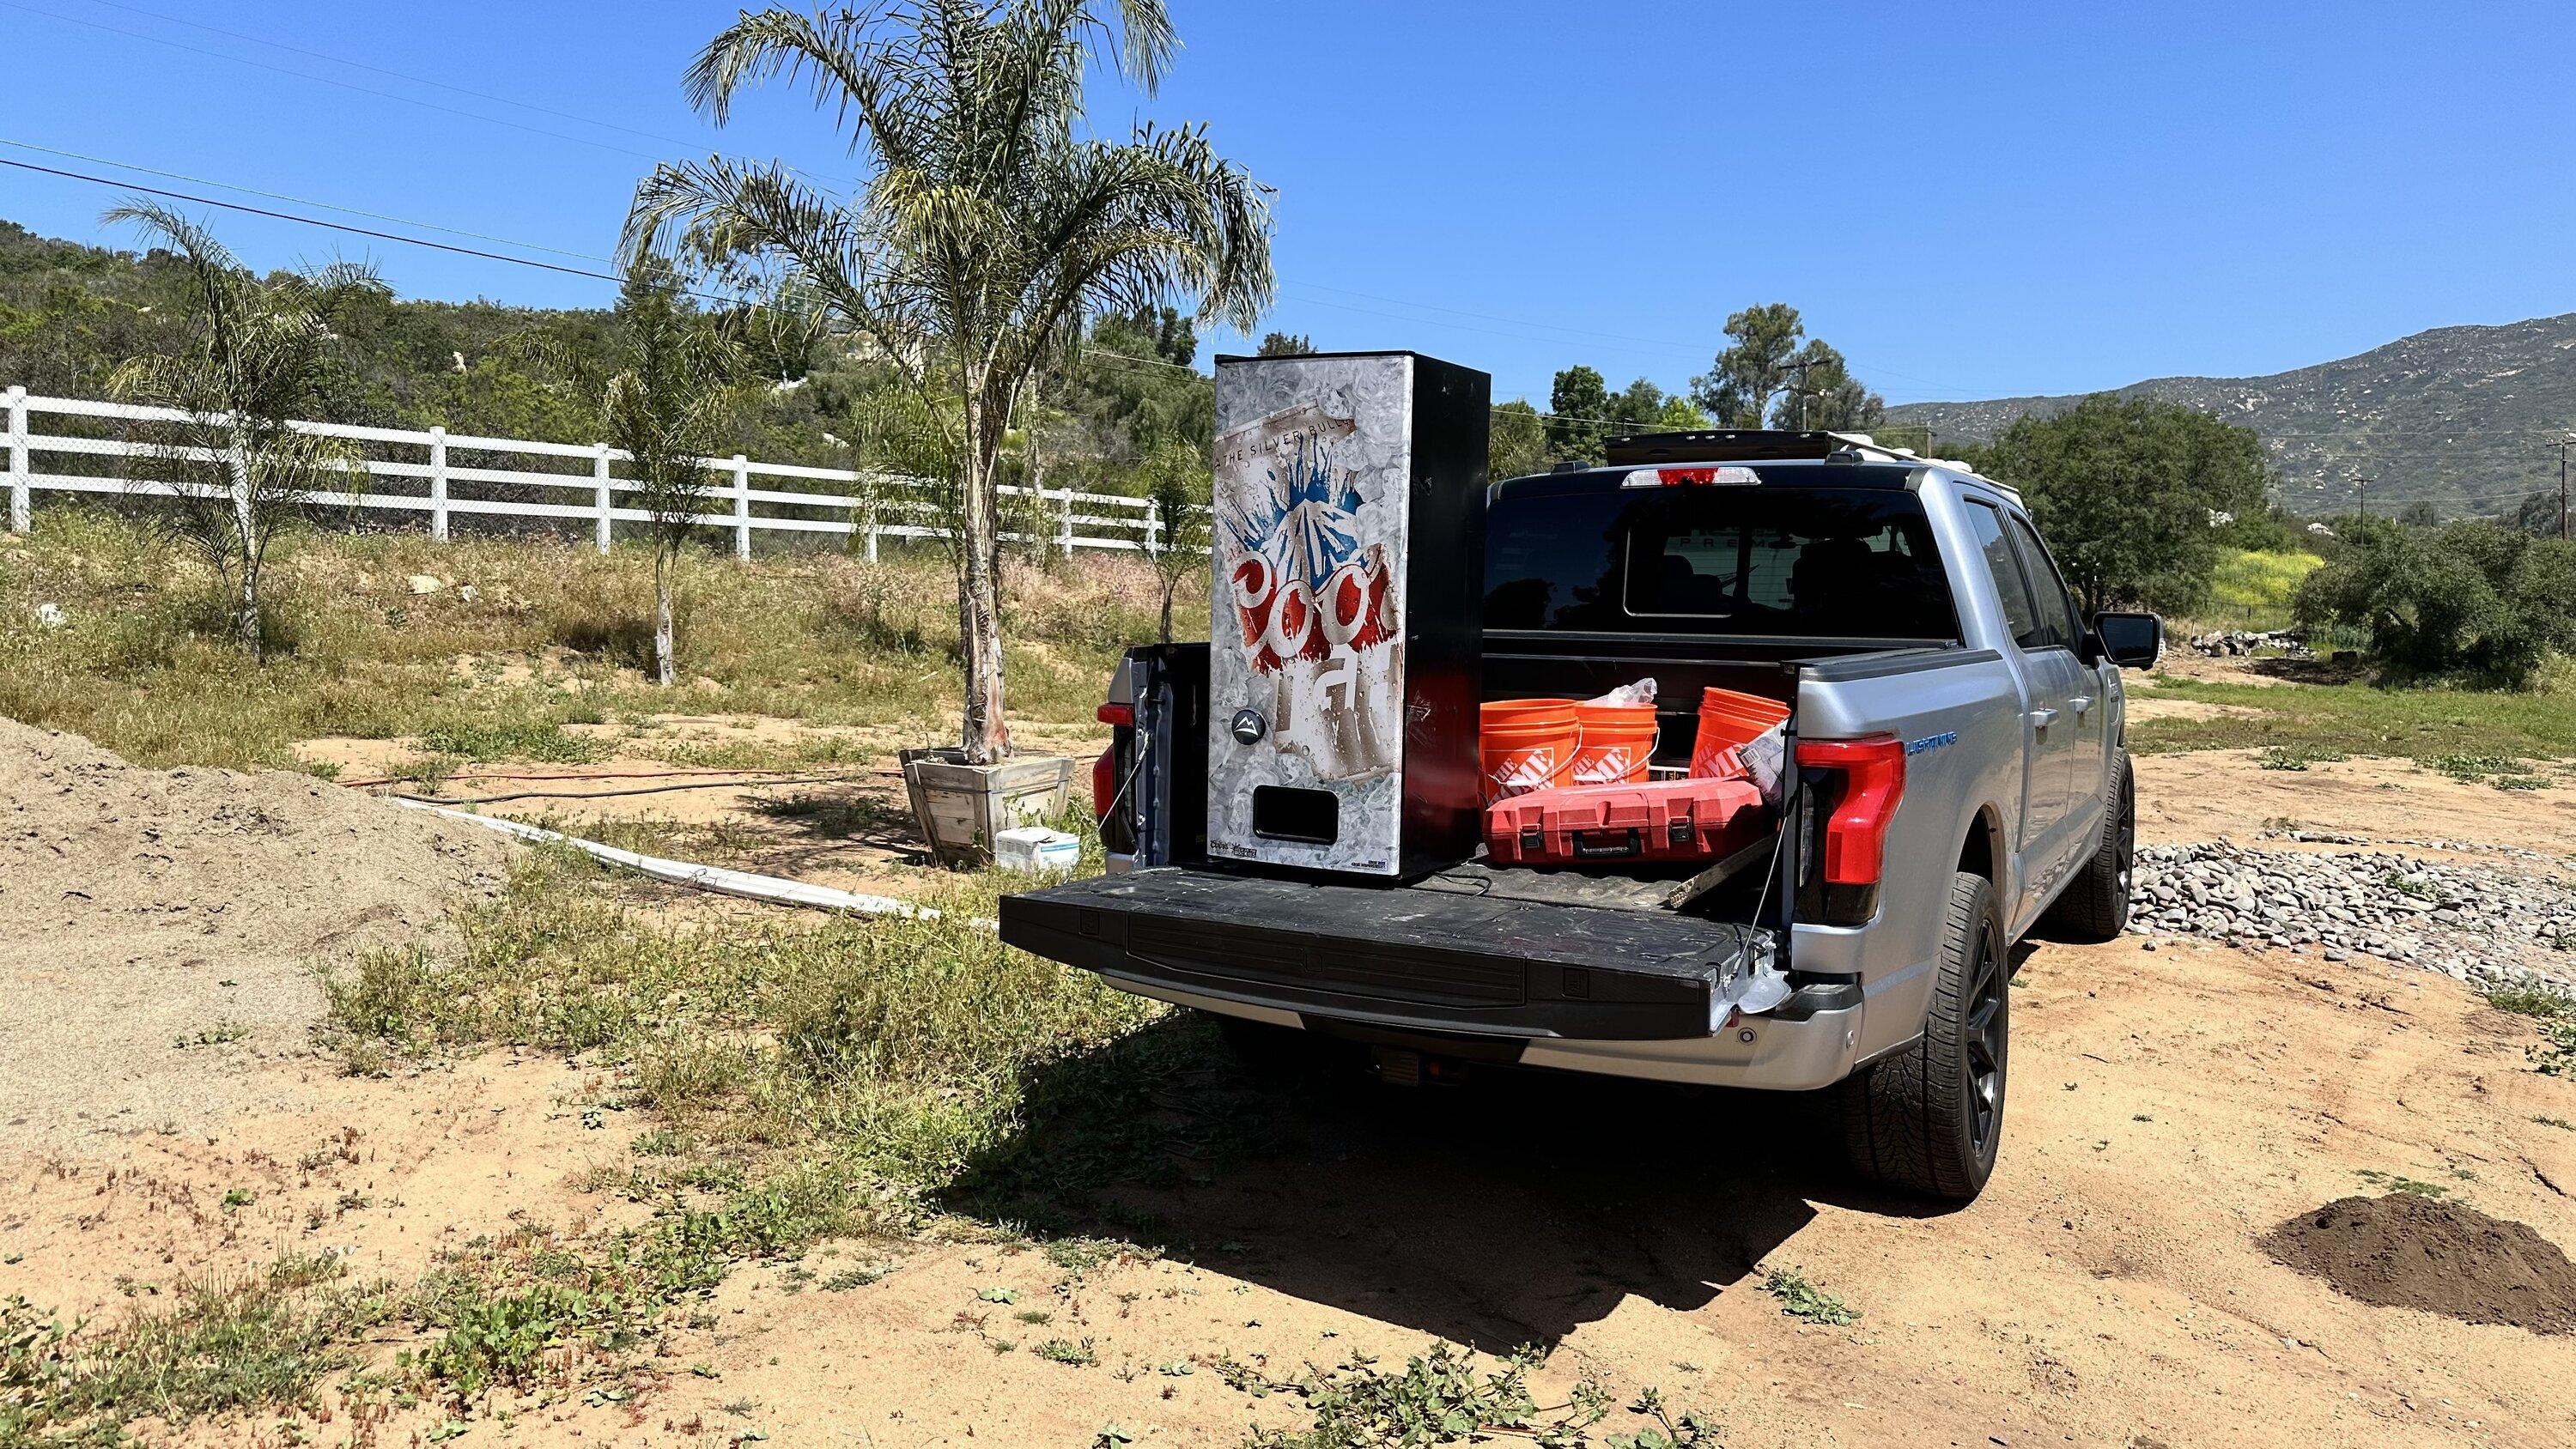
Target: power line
x=300, y=201
x=577, y=118
x=315, y=220
x=522, y=261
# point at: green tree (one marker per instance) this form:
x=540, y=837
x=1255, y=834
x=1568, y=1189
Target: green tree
x=2469, y=596
x=670, y=400
x=1177, y=480
x=1754, y=369
x=2538, y=515
x=257, y=353
x=1517, y=444
x=992, y=224
x=1579, y=404
x=1286, y=344
x=1132, y=387
x=1635, y=407
x=2125, y=492
x=1680, y=415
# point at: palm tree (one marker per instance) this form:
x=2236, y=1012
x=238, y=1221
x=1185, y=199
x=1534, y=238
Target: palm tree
x=991, y=225
x=259, y=353
x=682, y=382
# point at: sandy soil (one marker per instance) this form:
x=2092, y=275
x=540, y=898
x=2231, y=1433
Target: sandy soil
x=845, y=824
x=158, y=928
x=2170, y=1108
x=2220, y=794
x=2109, y=1289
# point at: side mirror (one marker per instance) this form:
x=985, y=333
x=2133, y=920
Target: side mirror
x=2132, y=641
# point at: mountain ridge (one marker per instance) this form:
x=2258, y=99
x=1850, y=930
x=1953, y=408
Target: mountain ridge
x=2465, y=417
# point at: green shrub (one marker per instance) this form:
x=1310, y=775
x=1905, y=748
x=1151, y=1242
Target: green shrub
x=2468, y=598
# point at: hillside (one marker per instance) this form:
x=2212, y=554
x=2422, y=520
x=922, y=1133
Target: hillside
x=2466, y=418
x=70, y=312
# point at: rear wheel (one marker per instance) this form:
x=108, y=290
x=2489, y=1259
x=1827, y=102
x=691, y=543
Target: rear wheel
x=2095, y=906
x=1928, y=1119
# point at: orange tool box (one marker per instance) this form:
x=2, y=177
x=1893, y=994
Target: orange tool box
x=1690, y=819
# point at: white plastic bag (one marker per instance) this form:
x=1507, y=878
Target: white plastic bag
x=1641, y=692
x=1765, y=758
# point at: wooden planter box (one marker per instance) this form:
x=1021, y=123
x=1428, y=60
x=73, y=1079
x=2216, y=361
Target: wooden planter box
x=961, y=807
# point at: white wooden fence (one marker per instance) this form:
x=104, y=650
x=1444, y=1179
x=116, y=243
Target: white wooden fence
x=427, y=483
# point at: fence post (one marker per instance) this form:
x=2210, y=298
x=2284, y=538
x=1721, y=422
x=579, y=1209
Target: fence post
x=1153, y=528
x=1066, y=527
x=872, y=540
x=438, y=485
x=741, y=506
x=18, y=460
x=599, y=475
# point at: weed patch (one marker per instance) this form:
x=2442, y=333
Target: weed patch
x=264, y=1341
x=2398, y=1182
x=2298, y=757
x=1442, y=1397
x=144, y=668
x=2500, y=730
x=1806, y=1302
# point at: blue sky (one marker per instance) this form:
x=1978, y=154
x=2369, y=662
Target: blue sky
x=1970, y=200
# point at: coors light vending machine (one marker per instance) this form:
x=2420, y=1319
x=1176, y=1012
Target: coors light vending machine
x=1349, y=558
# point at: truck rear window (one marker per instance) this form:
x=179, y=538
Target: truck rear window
x=1764, y=561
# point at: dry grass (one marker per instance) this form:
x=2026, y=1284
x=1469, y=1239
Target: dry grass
x=554, y=633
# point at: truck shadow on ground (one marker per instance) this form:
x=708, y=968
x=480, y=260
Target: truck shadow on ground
x=1509, y=1209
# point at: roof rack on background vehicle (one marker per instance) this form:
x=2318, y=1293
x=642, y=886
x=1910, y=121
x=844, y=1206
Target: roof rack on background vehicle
x=1731, y=445
x=1738, y=445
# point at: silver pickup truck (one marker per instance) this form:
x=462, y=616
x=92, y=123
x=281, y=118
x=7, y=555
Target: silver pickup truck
x=1959, y=780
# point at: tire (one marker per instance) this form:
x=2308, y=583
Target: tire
x=1929, y=1119
x=2095, y=905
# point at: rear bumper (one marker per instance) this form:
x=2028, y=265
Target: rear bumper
x=1619, y=993
x=1783, y=1054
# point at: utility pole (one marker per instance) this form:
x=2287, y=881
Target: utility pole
x=2365, y=493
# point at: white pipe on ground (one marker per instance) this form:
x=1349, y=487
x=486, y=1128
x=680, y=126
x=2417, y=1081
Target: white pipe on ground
x=777, y=890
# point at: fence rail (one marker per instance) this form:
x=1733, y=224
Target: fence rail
x=428, y=485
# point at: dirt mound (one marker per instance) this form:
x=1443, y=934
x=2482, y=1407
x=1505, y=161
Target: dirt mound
x=157, y=927
x=2410, y=1251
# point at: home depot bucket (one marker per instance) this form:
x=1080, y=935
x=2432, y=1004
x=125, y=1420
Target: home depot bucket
x=1618, y=741
x=1729, y=719
x=1526, y=744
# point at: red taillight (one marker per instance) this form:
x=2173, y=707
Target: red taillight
x=1104, y=771
x=1855, y=835
x=1104, y=783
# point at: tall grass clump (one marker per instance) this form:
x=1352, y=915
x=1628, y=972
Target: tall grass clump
x=901, y=1047
x=141, y=657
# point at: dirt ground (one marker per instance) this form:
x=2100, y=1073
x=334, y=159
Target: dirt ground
x=2170, y=1108
x=156, y=927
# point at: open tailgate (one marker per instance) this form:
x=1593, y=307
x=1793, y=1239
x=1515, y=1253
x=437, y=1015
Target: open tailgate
x=1401, y=957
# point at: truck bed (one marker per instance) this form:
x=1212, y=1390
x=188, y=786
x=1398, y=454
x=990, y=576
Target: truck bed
x=1408, y=957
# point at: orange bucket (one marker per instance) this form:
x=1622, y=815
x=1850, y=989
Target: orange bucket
x=1525, y=744
x=1618, y=743
x=1728, y=720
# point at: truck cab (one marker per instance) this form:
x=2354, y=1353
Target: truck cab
x=1954, y=724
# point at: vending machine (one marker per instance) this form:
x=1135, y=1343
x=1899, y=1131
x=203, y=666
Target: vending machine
x=1349, y=554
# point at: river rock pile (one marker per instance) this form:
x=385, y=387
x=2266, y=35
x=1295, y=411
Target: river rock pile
x=2475, y=924
x=2241, y=643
